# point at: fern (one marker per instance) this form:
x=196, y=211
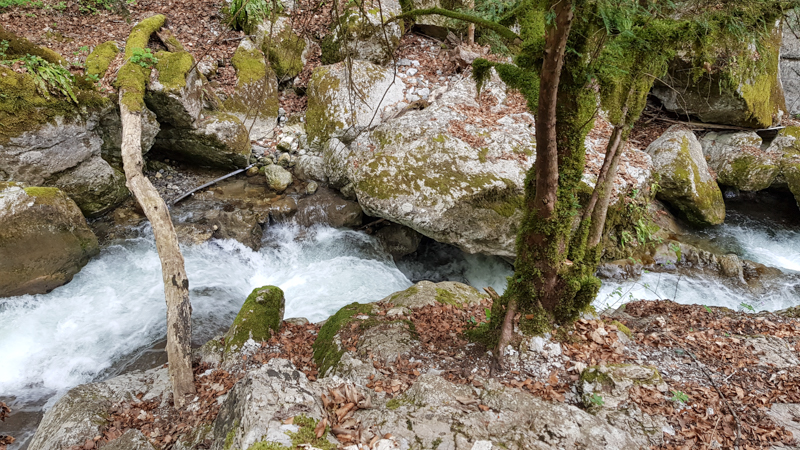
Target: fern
x=50, y=78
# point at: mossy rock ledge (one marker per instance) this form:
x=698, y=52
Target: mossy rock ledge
x=175, y=92
x=686, y=183
x=44, y=239
x=260, y=316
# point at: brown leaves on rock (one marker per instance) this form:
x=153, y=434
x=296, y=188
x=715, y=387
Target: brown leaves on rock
x=5, y=440
x=340, y=404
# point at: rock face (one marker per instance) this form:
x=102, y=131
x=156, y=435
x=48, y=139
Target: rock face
x=285, y=50
x=734, y=98
x=685, y=181
x=325, y=207
x=738, y=160
x=175, y=93
x=790, y=64
x=80, y=414
x=110, y=130
x=217, y=140
x=44, y=239
x=363, y=34
x=255, y=101
x=787, y=145
x=456, y=183
x=334, y=108
x=256, y=407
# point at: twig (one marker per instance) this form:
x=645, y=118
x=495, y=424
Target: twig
x=371, y=224
x=714, y=384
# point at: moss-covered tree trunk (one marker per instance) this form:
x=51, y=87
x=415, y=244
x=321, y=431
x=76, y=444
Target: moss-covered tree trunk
x=176, y=283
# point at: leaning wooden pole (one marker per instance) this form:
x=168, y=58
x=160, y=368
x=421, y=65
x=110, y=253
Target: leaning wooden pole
x=131, y=82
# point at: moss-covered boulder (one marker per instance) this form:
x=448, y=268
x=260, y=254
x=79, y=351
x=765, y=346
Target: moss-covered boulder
x=51, y=141
x=685, y=182
x=260, y=316
x=285, y=50
x=175, y=92
x=217, y=140
x=739, y=161
x=787, y=145
x=426, y=293
x=255, y=100
x=748, y=94
x=44, y=239
x=332, y=109
x=362, y=32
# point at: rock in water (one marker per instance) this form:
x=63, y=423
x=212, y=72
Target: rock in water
x=738, y=160
x=278, y=178
x=260, y=316
x=44, y=239
x=685, y=182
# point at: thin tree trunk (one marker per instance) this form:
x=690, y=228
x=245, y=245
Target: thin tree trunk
x=546, y=169
x=176, y=284
x=611, y=150
x=600, y=212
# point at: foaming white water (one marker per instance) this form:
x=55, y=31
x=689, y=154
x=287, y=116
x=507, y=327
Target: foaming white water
x=115, y=305
x=764, y=243
x=780, y=293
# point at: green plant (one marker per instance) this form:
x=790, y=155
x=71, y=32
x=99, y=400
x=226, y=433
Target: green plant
x=680, y=397
x=488, y=313
x=95, y=6
x=144, y=58
x=747, y=306
x=10, y=3
x=48, y=77
x=708, y=310
x=246, y=14
x=3, y=49
x=94, y=78
x=674, y=247
x=597, y=399
x=83, y=49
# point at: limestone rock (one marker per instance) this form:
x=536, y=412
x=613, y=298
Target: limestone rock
x=326, y=207
x=334, y=108
x=432, y=414
x=787, y=145
x=278, y=178
x=364, y=34
x=44, y=239
x=255, y=100
x=255, y=408
x=738, y=160
x=81, y=413
x=399, y=240
x=685, y=181
x=790, y=63
x=773, y=351
x=132, y=439
x=65, y=153
x=217, y=140
x=426, y=293
x=110, y=130
x=260, y=316
x=457, y=186
x=285, y=50
x=754, y=101
x=175, y=91
x=787, y=415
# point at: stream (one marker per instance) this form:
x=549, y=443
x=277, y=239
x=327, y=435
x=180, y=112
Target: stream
x=108, y=321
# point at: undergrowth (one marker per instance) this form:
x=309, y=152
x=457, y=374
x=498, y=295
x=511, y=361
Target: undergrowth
x=48, y=77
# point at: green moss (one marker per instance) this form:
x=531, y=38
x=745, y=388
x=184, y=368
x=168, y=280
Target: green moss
x=229, y=438
x=256, y=93
x=482, y=154
x=394, y=403
x=303, y=437
x=172, y=69
x=321, y=118
x=132, y=78
x=259, y=317
x=413, y=290
x=98, y=61
x=331, y=50
x=436, y=443
x=140, y=34
x=44, y=194
x=249, y=64
x=326, y=352
x=763, y=94
x=621, y=327
x=285, y=52
x=19, y=46
x=446, y=297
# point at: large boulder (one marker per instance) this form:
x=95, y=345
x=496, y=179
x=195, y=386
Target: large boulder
x=175, y=92
x=53, y=142
x=44, y=239
x=343, y=103
x=285, y=50
x=82, y=413
x=255, y=100
x=732, y=95
x=362, y=32
x=685, y=182
x=739, y=161
x=787, y=145
x=260, y=316
x=217, y=140
x=790, y=64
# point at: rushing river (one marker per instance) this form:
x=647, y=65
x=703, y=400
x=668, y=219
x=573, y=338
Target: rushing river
x=110, y=318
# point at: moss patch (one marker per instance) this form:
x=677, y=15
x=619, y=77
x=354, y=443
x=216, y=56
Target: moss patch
x=284, y=52
x=305, y=436
x=19, y=46
x=132, y=78
x=98, y=61
x=326, y=352
x=260, y=316
x=173, y=68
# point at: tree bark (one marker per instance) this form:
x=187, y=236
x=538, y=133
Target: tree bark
x=598, y=223
x=176, y=284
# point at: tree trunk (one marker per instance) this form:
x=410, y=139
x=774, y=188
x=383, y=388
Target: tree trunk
x=176, y=284
x=604, y=188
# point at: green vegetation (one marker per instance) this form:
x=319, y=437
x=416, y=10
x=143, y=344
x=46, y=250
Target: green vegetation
x=260, y=316
x=132, y=77
x=305, y=436
x=143, y=57
x=680, y=397
x=326, y=352
x=245, y=15
x=98, y=61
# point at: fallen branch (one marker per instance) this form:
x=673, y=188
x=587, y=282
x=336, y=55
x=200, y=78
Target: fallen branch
x=210, y=183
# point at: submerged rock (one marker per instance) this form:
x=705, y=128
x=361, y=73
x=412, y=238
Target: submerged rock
x=44, y=239
x=325, y=207
x=685, y=182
